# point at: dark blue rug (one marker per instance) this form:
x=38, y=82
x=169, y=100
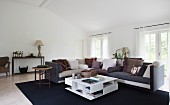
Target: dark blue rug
x=57, y=95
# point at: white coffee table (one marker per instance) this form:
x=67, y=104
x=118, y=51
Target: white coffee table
x=102, y=86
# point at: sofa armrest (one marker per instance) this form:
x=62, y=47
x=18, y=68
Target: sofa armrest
x=56, y=69
x=156, y=77
x=115, y=69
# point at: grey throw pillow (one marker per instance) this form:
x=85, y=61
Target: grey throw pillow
x=130, y=63
x=96, y=65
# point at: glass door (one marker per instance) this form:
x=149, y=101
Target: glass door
x=156, y=47
x=163, y=48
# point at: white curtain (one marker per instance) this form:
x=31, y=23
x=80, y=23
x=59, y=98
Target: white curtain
x=93, y=52
x=140, y=43
x=168, y=65
x=104, y=46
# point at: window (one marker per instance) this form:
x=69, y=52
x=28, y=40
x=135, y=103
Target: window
x=150, y=47
x=156, y=46
x=99, y=47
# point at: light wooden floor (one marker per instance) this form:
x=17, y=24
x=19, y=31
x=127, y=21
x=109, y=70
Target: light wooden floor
x=9, y=92
x=11, y=95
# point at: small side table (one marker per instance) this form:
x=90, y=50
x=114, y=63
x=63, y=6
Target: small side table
x=42, y=72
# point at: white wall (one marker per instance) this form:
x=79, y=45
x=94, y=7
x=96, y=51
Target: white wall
x=21, y=25
x=120, y=37
x=123, y=36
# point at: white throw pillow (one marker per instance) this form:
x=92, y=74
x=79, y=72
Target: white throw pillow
x=83, y=66
x=135, y=70
x=157, y=63
x=73, y=64
x=147, y=72
x=108, y=63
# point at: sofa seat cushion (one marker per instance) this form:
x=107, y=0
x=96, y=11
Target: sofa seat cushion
x=69, y=72
x=130, y=77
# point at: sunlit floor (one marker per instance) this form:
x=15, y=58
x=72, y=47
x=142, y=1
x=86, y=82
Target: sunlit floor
x=165, y=87
x=11, y=95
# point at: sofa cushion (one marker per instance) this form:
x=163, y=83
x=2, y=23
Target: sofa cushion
x=135, y=70
x=69, y=72
x=130, y=77
x=64, y=64
x=129, y=63
x=108, y=63
x=81, y=61
x=115, y=69
x=125, y=62
x=73, y=64
x=89, y=61
x=142, y=70
x=147, y=71
x=96, y=65
x=83, y=66
x=157, y=63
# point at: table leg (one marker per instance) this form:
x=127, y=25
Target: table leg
x=40, y=78
x=41, y=61
x=49, y=80
x=12, y=66
x=35, y=75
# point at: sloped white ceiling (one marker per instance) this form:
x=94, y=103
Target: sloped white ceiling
x=96, y=15
x=30, y=2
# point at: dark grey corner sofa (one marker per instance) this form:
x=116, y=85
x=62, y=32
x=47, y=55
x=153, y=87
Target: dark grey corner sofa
x=155, y=80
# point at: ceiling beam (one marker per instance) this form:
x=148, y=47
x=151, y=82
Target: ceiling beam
x=45, y=3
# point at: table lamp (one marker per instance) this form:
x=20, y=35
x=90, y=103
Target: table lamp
x=125, y=50
x=39, y=44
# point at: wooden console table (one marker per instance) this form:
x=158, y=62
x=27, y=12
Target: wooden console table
x=13, y=61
